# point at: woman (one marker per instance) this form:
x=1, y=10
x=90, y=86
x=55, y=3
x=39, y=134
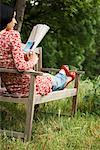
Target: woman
x=12, y=56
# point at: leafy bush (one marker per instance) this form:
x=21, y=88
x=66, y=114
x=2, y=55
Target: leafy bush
x=89, y=95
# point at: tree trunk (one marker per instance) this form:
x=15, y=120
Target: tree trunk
x=20, y=8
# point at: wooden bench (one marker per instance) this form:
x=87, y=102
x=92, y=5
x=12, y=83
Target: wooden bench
x=34, y=99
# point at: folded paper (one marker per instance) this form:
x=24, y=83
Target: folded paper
x=36, y=36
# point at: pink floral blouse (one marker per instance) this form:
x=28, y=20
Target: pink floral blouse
x=12, y=56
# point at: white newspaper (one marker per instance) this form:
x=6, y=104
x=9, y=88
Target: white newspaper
x=36, y=36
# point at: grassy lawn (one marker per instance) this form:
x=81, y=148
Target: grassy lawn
x=53, y=131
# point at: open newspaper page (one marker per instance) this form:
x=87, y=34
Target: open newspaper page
x=36, y=36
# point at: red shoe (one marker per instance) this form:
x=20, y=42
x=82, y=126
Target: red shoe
x=72, y=75
x=66, y=68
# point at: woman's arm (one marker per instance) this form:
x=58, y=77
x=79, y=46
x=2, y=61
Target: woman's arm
x=31, y=55
x=18, y=54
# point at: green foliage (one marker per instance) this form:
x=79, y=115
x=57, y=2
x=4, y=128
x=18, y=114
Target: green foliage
x=50, y=55
x=73, y=38
x=89, y=96
x=74, y=32
x=8, y=2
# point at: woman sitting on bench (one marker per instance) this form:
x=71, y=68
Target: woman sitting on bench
x=12, y=56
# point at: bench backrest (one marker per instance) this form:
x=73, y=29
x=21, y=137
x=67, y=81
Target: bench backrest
x=38, y=66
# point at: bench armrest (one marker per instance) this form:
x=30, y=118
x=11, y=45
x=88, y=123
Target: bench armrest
x=49, y=69
x=32, y=72
x=56, y=70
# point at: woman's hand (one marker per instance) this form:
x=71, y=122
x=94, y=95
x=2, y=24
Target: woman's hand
x=31, y=56
x=28, y=56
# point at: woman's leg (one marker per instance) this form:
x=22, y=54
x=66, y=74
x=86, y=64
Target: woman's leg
x=59, y=81
x=63, y=78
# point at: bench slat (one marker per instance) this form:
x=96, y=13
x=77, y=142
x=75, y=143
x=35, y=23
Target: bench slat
x=13, y=99
x=42, y=99
x=12, y=133
x=57, y=95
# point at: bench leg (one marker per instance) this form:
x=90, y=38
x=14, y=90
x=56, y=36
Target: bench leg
x=29, y=121
x=74, y=100
x=74, y=105
x=30, y=109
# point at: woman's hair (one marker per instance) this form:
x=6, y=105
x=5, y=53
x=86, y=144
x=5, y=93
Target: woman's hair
x=6, y=15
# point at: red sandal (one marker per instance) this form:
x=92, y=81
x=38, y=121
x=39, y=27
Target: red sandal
x=72, y=75
x=66, y=68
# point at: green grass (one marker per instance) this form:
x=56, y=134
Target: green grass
x=51, y=130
